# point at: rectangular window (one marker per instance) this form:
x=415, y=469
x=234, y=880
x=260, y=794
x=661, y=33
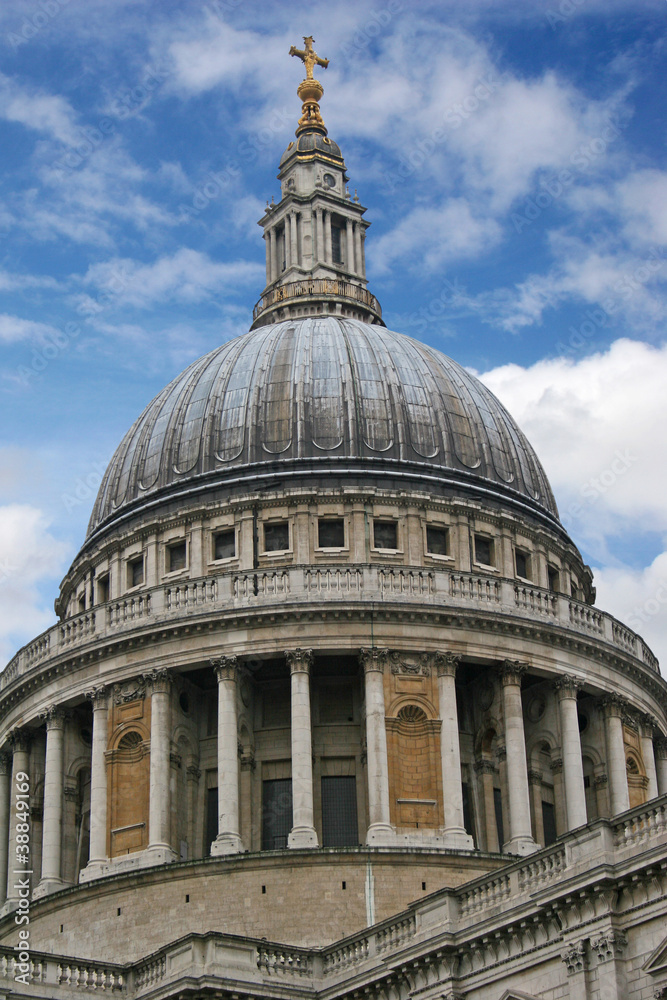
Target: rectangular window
x=554, y=579
x=276, y=707
x=339, y=812
x=176, y=557
x=82, y=602
x=549, y=821
x=211, y=817
x=135, y=572
x=483, y=550
x=276, y=813
x=276, y=537
x=224, y=544
x=498, y=807
x=103, y=589
x=336, y=255
x=437, y=541
x=467, y=808
x=385, y=534
x=522, y=561
x=336, y=703
x=330, y=533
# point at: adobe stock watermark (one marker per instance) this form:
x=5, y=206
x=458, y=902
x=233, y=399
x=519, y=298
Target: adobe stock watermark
x=22, y=866
x=374, y=26
x=599, y=316
x=651, y=607
x=598, y=486
x=35, y=23
x=555, y=187
x=452, y=119
x=566, y=8
x=85, y=488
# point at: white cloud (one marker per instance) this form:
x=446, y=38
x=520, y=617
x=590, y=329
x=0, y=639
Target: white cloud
x=638, y=598
x=13, y=328
x=29, y=556
x=46, y=113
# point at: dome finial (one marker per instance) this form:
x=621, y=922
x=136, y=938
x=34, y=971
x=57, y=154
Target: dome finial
x=310, y=90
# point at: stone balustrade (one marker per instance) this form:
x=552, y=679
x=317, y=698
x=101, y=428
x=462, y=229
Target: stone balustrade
x=432, y=588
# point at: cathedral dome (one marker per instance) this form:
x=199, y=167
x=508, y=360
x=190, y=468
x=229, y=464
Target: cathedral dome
x=323, y=396
x=308, y=144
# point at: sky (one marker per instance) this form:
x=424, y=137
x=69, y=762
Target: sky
x=512, y=158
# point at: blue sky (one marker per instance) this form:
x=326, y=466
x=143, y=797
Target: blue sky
x=512, y=159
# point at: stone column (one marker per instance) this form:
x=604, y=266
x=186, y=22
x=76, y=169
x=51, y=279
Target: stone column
x=294, y=246
x=273, y=255
x=5, y=784
x=608, y=950
x=379, y=832
x=158, y=683
x=521, y=839
x=267, y=245
x=19, y=741
x=303, y=832
x=613, y=708
x=452, y=794
x=287, y=238
x=349, y=263
x=535, y=787
x=98, y=783
x=247, y=763
x=328, y=252
x=53, y=802
x=363, y=255
x=318, y=237
x=661, y=764
x=486, y=771
x=573, y=767
x=576, y=962
x=357, y=249
x=228, y=840
x=647, y=727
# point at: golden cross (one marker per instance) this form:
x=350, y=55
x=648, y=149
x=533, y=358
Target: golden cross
x=308, y=57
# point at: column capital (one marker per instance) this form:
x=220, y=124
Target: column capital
x=446, y=664
x=373, y=659
x=511, y=671
x=299, y=660
x=567, y=686
x=193, y=773
x=556, y=765
x=98, y=696
x=574, y=957
x=535, y=777
x=158, y=681
x=54, y=716
x=648, y=725
x=484, y=766
x=226, y=667
x=614, y=706
x=609, y=945
x=501, y=752
x=20, y=740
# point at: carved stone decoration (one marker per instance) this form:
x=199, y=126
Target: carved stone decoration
x=372, y=658
x=299, y=660
x=134, y=690
x=660, y=993
x=193, y=773
x=97, y=695
x=175, y=759
x=20, y=740
x=157, y=680
x=600, y=780
x=54, y=716
x=609, y=945
x=574, y=958
x=535, y=777
x=446, y=664
x=613, y=705
x=399, y=665
x=512, y=671
x=485, y=766
x=556, y=765
x=501, y=753
x=247, y=759
x=567, y=686
x=648, y=726
x=226, y=667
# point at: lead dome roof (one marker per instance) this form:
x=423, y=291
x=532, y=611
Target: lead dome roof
x=319, y=396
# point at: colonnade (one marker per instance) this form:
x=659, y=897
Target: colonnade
x=16, y=758
x=288, y=234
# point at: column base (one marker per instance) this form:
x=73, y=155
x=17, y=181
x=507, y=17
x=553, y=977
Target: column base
x=48, y=885
x=380, y=835
x=302, y=836
x=227, y=843
x=457, y=838
x=148, y=858
x=520, y=845
x=9, y=906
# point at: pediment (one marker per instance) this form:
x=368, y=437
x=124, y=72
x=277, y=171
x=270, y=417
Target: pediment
x=518, y=995
x=657, y=962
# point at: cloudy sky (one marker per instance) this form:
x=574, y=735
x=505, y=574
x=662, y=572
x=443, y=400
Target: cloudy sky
x=512, y=157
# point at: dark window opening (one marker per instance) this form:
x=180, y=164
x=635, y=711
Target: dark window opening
x=467, y=808
x=176, y=557
x=82, y=602
x=211, y=817
x=522, y=560
x=331, y=534
x=224, y=544
x=276, y=813
x=103, y=589
x=135, y=572
x=385, y=534
x=423, y=886
x=276, y=536
x=336, y=254
x=483, y=550
x=554, y=579
x=549, y=821
x=498, y=807
x=437, y=541
x=339, y=812
x=587, y=781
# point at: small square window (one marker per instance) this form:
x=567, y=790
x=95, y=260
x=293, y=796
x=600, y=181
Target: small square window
x=135, y=572
x=437, y=541
x=331, y=533
x=483, y=550
x=522, y=561
x=276, y=537
x=103, y=589
x=385, y=534
x=176, y=557
x=224, y=544
x=554, y=579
